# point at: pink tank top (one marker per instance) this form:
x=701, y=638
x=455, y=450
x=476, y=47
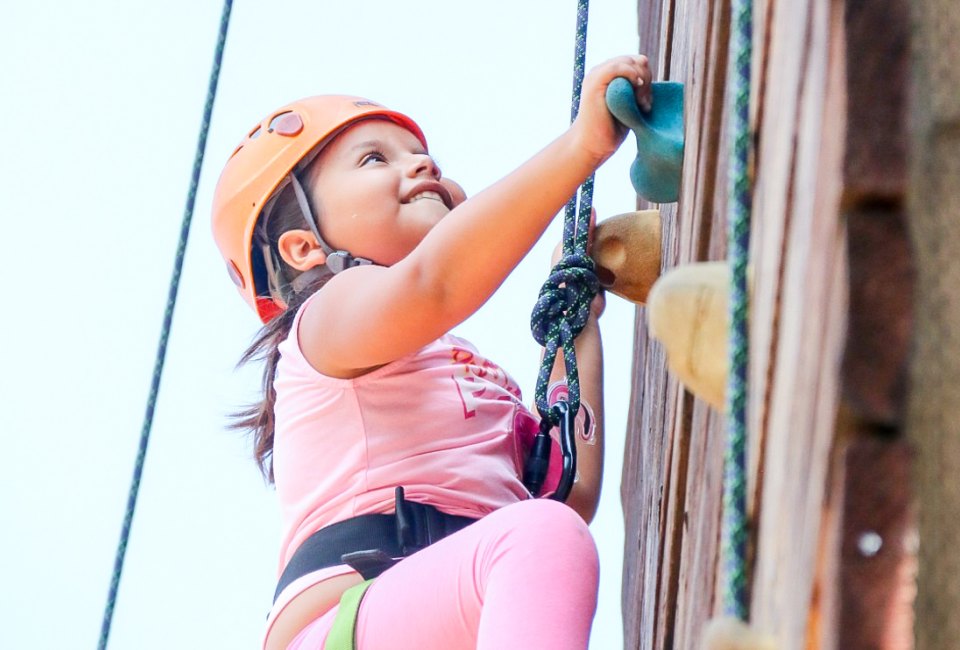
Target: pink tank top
x=443, y=423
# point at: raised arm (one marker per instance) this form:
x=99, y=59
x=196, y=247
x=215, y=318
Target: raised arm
x=369, y=316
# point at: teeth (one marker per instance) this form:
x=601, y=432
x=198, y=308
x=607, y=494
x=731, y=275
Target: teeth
x=427, y=195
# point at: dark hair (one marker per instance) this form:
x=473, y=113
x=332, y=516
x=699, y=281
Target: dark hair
x=258, y=417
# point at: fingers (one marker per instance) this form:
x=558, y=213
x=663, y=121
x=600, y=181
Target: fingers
x=644, y=88
x=642, y=79
x=633, y=67
x=598, y=131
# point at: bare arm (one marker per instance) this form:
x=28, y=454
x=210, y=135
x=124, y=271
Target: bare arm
x=370, y=316
x=585, y=493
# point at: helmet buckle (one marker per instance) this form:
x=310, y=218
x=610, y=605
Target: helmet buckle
x=341, y=260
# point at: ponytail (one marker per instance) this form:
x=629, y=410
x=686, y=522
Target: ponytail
x=258, y=417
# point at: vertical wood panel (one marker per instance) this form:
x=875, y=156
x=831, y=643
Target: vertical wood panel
x=812, y=310
x=877, y=548
x=659, y=440
x=814, y=159
x=933, y=413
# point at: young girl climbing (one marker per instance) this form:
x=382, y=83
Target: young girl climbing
x=387, y=437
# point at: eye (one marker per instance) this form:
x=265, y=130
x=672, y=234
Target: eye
x=372, y=157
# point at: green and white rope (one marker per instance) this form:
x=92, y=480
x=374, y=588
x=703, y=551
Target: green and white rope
x=165, y=329
x=735, y=524
x=563, y=306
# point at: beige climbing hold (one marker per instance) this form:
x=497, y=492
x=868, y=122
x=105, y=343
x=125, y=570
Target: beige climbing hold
x=687, y=313
x=626, y=249
x=728, y=633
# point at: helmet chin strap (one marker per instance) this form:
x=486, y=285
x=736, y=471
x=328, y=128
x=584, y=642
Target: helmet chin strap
x=337, y=260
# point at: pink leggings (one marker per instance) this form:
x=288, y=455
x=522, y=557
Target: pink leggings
x=524, y=576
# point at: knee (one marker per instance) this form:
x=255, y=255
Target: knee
x=556, y=531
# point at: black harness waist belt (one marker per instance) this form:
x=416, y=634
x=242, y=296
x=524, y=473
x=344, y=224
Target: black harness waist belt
x=371, y=543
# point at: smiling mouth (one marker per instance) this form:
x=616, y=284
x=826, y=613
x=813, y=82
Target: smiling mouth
x=434, y=196
x=430, y=195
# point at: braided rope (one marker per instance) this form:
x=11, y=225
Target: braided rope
x=165, y=329
x=563, y=306
x=735, y=524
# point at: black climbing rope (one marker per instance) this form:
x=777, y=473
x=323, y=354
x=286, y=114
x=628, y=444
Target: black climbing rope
x=165, y=330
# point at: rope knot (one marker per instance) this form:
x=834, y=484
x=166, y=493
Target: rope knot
x=563, y=306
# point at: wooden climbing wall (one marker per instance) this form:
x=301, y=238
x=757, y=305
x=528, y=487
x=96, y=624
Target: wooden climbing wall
x=833, y=559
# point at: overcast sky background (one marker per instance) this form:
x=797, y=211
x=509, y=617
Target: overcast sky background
x=101, y=103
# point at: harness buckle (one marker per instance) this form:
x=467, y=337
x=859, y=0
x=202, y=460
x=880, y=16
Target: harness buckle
x=404, y=519
x=420, y=525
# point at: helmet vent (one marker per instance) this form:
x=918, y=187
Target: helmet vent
x=288, y=123
x=235, y=274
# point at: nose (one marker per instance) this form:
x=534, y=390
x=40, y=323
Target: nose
x=422, y=164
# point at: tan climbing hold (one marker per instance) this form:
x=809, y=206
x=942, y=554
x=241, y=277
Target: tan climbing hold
x=626, y=249
x=687, y=313
x=728, y=633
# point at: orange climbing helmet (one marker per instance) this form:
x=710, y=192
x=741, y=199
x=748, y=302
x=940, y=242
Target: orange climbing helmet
x=282, y=144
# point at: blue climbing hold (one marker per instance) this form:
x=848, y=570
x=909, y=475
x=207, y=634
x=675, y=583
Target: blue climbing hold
x=656, y=171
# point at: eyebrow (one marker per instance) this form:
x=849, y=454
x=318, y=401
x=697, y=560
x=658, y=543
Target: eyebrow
x=378, y=144
x=368, y=144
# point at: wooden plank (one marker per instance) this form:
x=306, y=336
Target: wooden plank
x=874, y=372
x=697, y=596
x=933, y=422
x=877, y=550
x=645, y=473
x=640, y=491
x=673, y=530
x=877, y=71
x=874, y=179
x=649, y=21
x=866, y=576
x=649, y=461
x=811, y=311
x=774, y=161
x=705, y=70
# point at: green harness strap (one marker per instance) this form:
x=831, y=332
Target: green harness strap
x=343, y=633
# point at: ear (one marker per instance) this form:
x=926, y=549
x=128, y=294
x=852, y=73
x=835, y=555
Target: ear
x=300, y=249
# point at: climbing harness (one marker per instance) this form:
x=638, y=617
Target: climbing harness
x=343, y=632
x=561, y=312
x=734, y=530
x=165, y=329
x=371, y=544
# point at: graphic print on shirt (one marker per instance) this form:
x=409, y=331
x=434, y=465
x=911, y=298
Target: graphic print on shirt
x=584, y=425
x=478, y=380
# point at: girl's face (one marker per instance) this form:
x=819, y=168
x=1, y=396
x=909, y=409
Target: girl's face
x=377, y=191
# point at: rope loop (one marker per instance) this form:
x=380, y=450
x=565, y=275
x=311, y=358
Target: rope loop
x=558, y=317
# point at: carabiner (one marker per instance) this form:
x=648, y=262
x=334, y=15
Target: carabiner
x=568, y=450
x=535, y=469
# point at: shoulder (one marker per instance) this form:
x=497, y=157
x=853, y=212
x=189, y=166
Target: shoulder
x=337, y=318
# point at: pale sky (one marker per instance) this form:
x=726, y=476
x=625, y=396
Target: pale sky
x=101, y=102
